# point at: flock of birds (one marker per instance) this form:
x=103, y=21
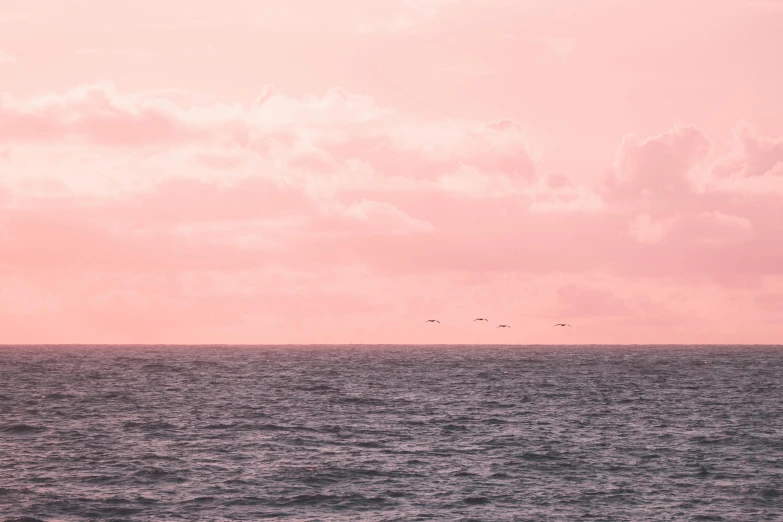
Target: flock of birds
x=499, y=326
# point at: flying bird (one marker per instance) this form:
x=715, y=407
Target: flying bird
x=563, y=324
x=432, y=321
x=504, y=326
x=480, y=319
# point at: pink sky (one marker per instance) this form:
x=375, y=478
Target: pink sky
x=258, y=171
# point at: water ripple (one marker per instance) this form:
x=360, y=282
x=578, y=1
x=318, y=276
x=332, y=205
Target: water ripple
x=391, y=433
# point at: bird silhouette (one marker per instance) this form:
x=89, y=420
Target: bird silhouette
x=480, y=319
x=504, y=326
x=563, y=324
x=432, y=321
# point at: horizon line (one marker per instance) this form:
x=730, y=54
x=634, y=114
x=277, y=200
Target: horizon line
x=9, y=345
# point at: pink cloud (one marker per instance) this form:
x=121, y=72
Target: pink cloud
x=93, y=111
x=501, y=156
x=658, y=168
x=752, y=155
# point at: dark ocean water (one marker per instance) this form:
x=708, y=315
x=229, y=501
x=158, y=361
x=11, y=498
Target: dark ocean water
x=391, y=433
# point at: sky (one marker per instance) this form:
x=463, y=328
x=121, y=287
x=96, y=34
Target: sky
x=264, y=172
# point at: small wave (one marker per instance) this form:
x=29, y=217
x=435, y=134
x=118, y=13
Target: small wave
x=318, y=498
x=161, y=368
x=270, y=427
x=158, y=456
x=115, y=395
x=332, y=428
x=221, y=426
x=364, y=401
x=317, y=388
x=149, y=426
x=500, y=475
x=159, y=475
x=495, y=404
x=704, y=439
x=208, y=364
x=59, y=396
x=101, y=479
x=277, y=427
x=23, y=429
x=540, y=456
x=152, y=472
x=200, y=500
x=246, y=501
x=119, y=510
x=249, y=412
x=305, y=500
x=370, y=444
x=476, y=500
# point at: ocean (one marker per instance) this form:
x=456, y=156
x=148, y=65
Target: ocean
x=388, y=433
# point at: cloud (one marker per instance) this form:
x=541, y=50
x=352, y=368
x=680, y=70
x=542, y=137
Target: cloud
x=752, y=155
x=385, y=217
x=158, y=206
x=715, y=226
x=335, y=129
x=95, y=112
x=658, y=168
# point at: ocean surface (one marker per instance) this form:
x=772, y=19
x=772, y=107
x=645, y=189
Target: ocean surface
x=300, y=433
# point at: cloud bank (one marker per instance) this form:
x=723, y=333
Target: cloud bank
x=134, y=217
x=255, y=172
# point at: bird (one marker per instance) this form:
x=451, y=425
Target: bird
x=563, y=324
x=480, y=319
x=432, y=321
x=504, y=326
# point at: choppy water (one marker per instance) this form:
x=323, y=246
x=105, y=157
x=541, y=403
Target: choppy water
x=391, y=433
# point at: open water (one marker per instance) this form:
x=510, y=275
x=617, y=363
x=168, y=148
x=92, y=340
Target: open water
x=491, y=433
